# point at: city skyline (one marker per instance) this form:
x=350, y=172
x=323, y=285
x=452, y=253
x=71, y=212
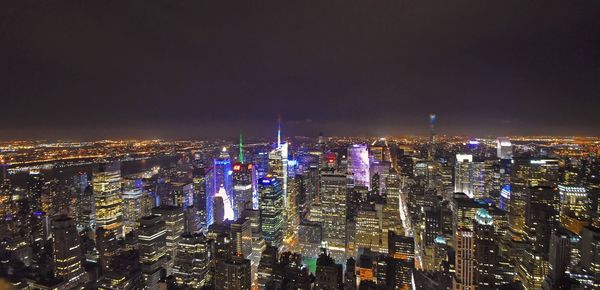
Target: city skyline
x=310, y=145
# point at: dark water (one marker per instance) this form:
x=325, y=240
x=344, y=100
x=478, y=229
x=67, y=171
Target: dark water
x=127, y=167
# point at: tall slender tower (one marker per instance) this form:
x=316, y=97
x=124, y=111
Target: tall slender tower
x=278, y=168
x=278, y=131
x=432, y=135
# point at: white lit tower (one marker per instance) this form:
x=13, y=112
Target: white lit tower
x=278, y=167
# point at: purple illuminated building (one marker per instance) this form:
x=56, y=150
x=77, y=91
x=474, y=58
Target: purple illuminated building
x=358, y=164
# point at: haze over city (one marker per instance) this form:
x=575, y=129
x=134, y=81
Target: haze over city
x=195, y=69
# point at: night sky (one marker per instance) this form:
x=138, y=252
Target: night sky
x=193, y=69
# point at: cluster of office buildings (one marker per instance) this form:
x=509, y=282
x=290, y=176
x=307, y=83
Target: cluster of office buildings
x=299, y=213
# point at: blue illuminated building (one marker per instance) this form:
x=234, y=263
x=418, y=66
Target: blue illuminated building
x=271, y=209
x=209, y=196
x=505, y=197
x=222, y=176
x=261, y=161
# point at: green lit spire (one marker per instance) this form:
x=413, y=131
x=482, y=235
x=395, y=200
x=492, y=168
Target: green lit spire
x=241, y=157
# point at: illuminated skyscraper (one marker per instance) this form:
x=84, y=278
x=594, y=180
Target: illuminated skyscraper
x=470, y=176
x=486, y=251
x=260, y=159
x=67, y=252
x=241, y=238
x=559, y=258
x=334, y=189
x=152, y=246
x=108, y=248
x=271, y=209
x=358, y=165
x=222, y=177
x=532, y=270
x=234, y=274
x=464, y=276
x=244, y=186
x=526, y=173
x=504, y=148
x=199, y=184
x=132, y=205
x=368, y=229
x=464, y=210
x=292, y=210
x=391, y=210
x=210, y=196
x=36, y=185
x=85, y=209
x=461, y=173
x=192, y=260
x=590, y=253
x=574, y=202
x=402, y=251
x=107, y=196
x=192, y=220
x=278, y=168
x=174, y=224
x=505, y=197
x=541, y=218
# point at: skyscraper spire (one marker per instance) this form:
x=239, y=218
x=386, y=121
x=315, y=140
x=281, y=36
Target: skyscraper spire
x=432, y=136
x=278, y=131
x=241, y=157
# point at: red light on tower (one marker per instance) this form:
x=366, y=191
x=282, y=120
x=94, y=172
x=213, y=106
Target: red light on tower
x=237, y=167
x=250, y=166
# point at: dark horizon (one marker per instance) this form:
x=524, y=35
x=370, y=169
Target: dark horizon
x=198, y=69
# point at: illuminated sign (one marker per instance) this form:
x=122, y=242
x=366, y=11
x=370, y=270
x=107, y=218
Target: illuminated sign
x=505, y=191
x=464, y=157
x=267, y=180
